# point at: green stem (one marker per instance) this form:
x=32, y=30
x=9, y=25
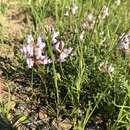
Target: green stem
x=55, y=75
x=56, y=10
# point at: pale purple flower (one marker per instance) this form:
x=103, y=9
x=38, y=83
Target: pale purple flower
x=30, y=62
x=29, y=48
x=124, y=42
x=24, y=50
x=40, y=42
x=38, y=53
x=64, y=54
x=45, y=60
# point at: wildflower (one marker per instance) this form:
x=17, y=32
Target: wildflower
x=54, y=37
x=34, y=52
x=105, y=12
x=45, y=60
x=23, y=50
x=88, y=22
x=29, y=39
x=30, y=62
x=27, y=50
x=80, y=113
x=90, y=17
x=38, y=49
x=64, y=52
x=82, y=36
x=101, y=66
x=110, y=68
x=40, y=42
x=74, y=8
x=38, y=53
x=106, y=67
x=66, y=11
x=124, y=42
x=59, y=46
x=101, y=33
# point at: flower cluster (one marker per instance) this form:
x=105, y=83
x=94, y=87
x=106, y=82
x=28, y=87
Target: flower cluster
x=36, y=52
x=73, y=9
x=105, y=11
x=88, y=22
x=58, y=46
x=124, y=42
x=82, y=36
x=106, y=67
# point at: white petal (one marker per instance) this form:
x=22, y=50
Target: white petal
x=105, y=11
x=29, y=49
x=40, y=42
x=62, y=57
x=82, y=36
x=30, y=62
x=68, y=51
x=46, y=60
x=66, y=13
x=38, y=53
x=24, y=50
x=29, y=39
x=74, y=8
x=54, y=36
x=90, y=17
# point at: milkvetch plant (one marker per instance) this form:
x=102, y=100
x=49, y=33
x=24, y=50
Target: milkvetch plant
x=36, y=52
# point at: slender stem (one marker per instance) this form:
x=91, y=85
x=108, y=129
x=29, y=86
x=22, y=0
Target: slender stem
x=56, y=10
x=55, y=75
x=32, y=79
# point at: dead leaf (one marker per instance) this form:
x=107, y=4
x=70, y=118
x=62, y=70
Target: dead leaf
x=2, y=86
x=62, y=124
x=65, y=124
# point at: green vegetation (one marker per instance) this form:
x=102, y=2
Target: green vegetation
x=81, y=78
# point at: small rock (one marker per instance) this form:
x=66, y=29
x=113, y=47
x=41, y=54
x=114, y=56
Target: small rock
x=42, y=114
